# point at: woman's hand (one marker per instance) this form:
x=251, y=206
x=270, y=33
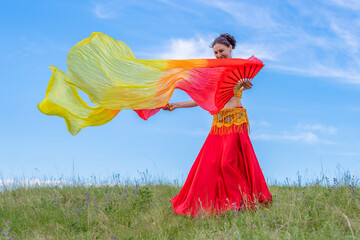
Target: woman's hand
x=170, y=106
x=246, y=85
x=173, y=106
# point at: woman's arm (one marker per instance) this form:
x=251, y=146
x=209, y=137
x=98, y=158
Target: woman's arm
x=187, y=104
x=191, y=103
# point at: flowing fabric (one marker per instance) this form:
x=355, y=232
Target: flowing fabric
x=226, y=173
x=107, y=71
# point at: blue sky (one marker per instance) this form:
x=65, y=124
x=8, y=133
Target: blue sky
x=304, y=107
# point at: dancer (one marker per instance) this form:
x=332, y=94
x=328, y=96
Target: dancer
x=226, y=173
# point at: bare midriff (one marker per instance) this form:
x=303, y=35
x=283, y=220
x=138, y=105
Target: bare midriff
x=233, y=102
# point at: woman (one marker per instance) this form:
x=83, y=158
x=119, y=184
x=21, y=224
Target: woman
x=226, y=174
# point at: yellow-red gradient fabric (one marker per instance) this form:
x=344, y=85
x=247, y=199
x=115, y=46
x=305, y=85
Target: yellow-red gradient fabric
x=107, y=71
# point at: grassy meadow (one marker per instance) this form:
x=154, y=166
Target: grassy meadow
x=324, y=209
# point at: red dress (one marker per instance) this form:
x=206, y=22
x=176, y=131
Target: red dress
x=226, y=173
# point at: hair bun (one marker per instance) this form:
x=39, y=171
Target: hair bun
x=225, y=39
x=230, y=39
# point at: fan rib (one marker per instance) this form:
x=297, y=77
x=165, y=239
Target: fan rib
x=224, y=91
x=224, y=87
x=226, y=94
x=235, y=75
x=252, y=74
x=225, y=97
x=248, y=77
x=230, y=82
x=232, y=79
x=240, y=73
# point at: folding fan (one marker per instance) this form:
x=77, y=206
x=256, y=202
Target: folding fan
x=233, y=78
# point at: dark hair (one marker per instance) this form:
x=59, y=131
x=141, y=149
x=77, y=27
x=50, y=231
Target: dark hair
x=225, y=39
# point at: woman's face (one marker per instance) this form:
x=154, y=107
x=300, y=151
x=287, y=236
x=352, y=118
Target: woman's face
x=222, y=51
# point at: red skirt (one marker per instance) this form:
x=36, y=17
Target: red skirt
x=226, y=173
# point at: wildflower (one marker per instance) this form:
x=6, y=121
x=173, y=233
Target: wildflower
x=335, y=182
x=235, y=206
x=115, y=237
x=264, y=215
x=235, y=209
x=136, y=189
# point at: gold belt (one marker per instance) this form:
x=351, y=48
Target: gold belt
x=230, y=116
x=230, y=120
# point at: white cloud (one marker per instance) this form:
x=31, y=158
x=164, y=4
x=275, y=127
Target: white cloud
x=306, y=137
x=264, y=124
x=30, y=182
x=317, y=127
x=179, y=7
x=305, y=133
x=347, y=154
x=348, y=75
x=199, y=47
x=111, y=9
x=261, y=51
x=188, y=48
x=107, y=10
x=246, y=14
x=316, y=41
x=353, y=108
x=260, y=123
x=350, y=4
x=346, y=31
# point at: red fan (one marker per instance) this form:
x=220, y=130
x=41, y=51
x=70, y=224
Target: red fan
x=233, y=78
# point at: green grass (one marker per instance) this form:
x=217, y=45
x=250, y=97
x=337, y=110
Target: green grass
x=144, y=212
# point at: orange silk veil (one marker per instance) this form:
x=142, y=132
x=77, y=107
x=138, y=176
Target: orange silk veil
x=107, y=71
